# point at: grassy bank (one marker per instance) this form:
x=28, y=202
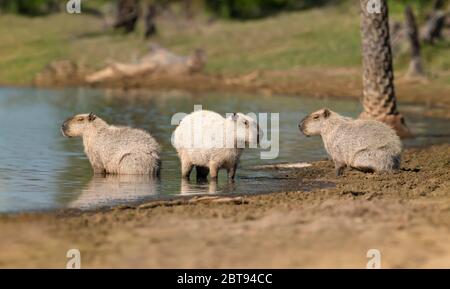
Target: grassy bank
x=326, y=37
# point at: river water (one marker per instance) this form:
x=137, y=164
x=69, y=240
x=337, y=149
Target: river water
x=42, y=170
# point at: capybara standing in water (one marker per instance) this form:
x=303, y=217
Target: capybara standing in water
x=366, y=145
x=114, y=149
x=210, y=142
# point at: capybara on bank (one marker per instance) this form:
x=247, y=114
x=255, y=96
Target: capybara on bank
x=366, y=145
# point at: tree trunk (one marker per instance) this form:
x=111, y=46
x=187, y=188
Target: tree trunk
x=415, y=69
x=434, y=26
x=397, y=34
x=438, y=4
x=435, y=23
x=379, y=101
x=127, y=15
x=150, y=25
x=187, y=7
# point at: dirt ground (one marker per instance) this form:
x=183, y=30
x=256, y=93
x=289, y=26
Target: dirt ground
x=405, y=215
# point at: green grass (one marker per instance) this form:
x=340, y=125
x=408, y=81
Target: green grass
x=318, y=38
x=28, y=44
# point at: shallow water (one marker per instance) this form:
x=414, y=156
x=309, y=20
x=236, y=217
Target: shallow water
x=41, y=170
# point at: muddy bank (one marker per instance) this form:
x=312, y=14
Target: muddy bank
x=405, y=215
x=342, y=83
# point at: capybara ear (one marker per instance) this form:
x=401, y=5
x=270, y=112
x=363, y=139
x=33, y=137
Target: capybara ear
x=91, y=116
x=326, y=113
x=234, y=116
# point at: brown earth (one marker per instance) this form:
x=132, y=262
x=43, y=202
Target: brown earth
x=405, y=215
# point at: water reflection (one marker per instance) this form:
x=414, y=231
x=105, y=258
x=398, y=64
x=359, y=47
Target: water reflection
x=108, y=190
x=206, y=187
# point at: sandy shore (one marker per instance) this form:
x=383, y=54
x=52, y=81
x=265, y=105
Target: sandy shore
x=405, y=215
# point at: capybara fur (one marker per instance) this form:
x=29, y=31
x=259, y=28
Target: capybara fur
x=210, y=142
x=366, y=145
x=114, y=149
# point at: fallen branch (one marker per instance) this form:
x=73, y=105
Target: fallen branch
x=158, y=60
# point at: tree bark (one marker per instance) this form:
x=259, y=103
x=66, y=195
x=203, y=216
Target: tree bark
x=127, y=15
x=434, y=26
x=415, y=69
x=187, y=7
x=435, y=23
x=150, y=17
x=438, y=4
x=379, y=100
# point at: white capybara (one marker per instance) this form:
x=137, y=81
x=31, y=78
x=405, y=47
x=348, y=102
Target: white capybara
x=114, y=149
x=210, y=142
x=366, y=145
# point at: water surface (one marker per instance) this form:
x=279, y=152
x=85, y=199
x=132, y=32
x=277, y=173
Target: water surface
x=41, y=170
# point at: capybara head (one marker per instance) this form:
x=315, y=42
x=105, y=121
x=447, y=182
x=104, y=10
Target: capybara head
x=246, y=130
x=78, y=124
x=313, y=123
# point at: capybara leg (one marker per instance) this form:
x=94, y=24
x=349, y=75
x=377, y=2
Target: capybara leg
x=339, y=168
x=158, y=169
x=232, y=172
x=365, y=169
x=213, y=170
x=212, y=188
x=137, y=164
x=99, y=170
x=127, y=165
x=368, y=162
x=202, y=173
x=186, y=168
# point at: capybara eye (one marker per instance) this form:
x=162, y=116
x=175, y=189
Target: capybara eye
x=80, y=119
x=246, y=123
x=316, y=117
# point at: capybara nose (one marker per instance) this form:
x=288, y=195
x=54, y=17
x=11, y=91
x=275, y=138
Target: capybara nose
x=64, y=129
x=301, y=127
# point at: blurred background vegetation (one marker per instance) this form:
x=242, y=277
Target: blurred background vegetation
x=239, y=36
x=233, y=9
